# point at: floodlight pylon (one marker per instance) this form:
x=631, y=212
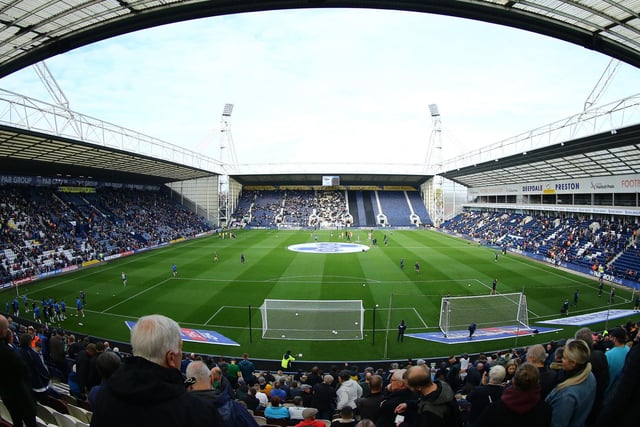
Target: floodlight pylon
x=229, y=163
x=433, y=165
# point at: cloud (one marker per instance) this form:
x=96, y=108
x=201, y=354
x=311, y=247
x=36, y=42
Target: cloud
x=329, y=85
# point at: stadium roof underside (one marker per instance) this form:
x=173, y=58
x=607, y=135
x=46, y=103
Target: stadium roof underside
x=34, y=30
x=360, y=179
x=34, y=153
x=604, y=154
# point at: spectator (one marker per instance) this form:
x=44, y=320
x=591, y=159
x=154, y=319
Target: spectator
x=571, y=400
x=148, y=390
x=397, y=393
x=616, y=354
x=324, y=397
x=436, y=406
x=621, y=406
x=276, y=410
x=600, y=370
x=482, y=396
x=15, y=387
x=309, y=415
x=348, y=391
x=537, y=356
x=520, y=404
x=200, y=383
x=369, y=407
x=247, y=368
x=106, y=364
x=345, y=419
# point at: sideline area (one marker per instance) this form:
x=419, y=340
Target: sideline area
x=590, y=318
x=481, y=334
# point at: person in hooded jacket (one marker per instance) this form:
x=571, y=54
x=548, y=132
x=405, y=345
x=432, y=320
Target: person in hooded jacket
x=148, y=389
x=520, y=404
x=348, y=391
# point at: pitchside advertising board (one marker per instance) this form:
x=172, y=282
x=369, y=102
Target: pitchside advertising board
x=604, y=184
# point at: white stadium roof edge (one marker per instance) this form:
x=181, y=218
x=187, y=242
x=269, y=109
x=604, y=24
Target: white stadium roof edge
x=35, y=30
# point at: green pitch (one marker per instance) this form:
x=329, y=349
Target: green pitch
x=217, y=295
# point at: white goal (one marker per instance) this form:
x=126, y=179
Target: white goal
x=312, y=319
x=486, y=311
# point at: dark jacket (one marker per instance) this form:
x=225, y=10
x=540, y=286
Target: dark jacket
x=517, y=408
x=621, y=407
x=387, y=413
x=600, y=370
x=39, y=374
x=142, y=393
x=439, y=408
x=232, y=413
x=324, y=397
x=480, y=398
x=369, y=407
x=15, y=387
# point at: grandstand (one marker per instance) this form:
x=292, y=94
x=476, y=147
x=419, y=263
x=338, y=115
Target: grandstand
x=569, y=200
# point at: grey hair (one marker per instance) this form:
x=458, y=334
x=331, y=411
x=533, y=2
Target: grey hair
x=198, y=370
x=537, y=353
x=585, y=335
x=398, y=374
x=155, y=335
x=497, y=374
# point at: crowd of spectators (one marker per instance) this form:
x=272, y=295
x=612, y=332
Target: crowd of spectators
x=44, y=230
x=597, y=244
x=295, y=208
x=590, y=379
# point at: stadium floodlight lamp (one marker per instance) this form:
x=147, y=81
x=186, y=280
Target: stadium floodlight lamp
x=228, y=109
x=433, y=109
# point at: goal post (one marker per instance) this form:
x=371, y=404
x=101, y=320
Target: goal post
x=486, y=311
x=313, y=320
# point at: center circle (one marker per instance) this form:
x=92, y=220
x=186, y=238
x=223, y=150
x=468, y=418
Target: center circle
x=328, y=248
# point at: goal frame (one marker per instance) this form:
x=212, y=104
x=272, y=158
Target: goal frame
x=312, y=320
x=520, y=312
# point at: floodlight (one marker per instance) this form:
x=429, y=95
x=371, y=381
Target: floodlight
x=433, y=109
x=228, y=108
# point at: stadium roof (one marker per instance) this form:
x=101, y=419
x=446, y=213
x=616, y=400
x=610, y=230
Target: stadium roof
x=358, y=179
x=604, y=154
x=34, y=30
x=49, y=155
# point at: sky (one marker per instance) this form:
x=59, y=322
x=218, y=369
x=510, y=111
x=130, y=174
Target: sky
x=325, y=85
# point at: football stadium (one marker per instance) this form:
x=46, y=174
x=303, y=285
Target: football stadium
x=452, y=264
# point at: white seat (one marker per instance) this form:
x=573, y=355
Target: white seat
x=80, y=413
x=4, y=413
x=46, y=414
x=260, y=420
x=64, y=420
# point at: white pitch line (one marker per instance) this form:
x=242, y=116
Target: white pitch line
x=134, y=296
x=214, y=315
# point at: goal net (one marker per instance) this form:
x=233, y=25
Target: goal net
x=486, y=311
x=312, y=319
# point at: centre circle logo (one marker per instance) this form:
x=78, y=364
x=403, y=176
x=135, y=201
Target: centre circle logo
x=328, y=248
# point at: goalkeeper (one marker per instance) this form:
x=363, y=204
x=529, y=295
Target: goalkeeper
x=472, y=329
